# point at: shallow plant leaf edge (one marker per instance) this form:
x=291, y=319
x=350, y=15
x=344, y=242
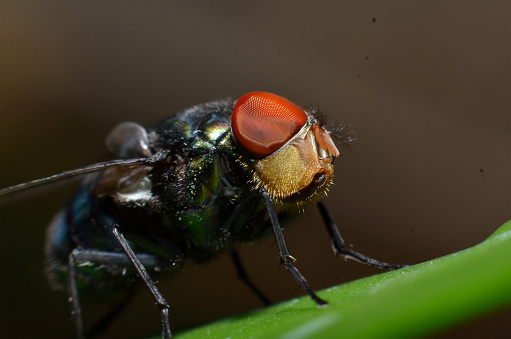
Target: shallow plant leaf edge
x=410, y=302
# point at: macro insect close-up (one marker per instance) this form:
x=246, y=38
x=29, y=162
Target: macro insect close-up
x=187, y=189
x=408, y=106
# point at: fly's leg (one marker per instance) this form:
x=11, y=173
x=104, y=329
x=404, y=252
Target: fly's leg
x=107, y=258
x=339, y=246
x=98, y=257
x=73, y=297
x=285, y=256
x=242, y=274
x=144, y=275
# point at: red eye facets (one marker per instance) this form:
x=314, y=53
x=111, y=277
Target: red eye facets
x=262, y=122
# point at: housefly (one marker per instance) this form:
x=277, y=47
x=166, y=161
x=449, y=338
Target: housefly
x=187, y=188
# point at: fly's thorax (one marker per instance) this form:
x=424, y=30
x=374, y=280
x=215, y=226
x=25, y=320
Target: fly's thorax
x=301, y=171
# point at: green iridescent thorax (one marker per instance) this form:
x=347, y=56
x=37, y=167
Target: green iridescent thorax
x=204, y=192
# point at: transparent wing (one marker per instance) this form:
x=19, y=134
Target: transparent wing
x=131, y=163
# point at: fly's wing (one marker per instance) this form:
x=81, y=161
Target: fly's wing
x=128, y=140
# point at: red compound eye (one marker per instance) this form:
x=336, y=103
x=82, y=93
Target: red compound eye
x=262, y=122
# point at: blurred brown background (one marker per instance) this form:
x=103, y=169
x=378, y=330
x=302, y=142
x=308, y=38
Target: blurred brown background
x=425, y=84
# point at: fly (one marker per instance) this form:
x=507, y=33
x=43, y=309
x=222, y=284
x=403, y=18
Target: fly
x=214, y=174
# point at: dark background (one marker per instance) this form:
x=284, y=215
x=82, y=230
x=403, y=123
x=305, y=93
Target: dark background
x=425, y=84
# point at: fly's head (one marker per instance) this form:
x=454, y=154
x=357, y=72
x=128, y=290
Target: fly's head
x=291, y=152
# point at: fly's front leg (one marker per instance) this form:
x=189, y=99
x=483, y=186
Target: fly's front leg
x=285, y=256
x=144, y=275
x=339, y=245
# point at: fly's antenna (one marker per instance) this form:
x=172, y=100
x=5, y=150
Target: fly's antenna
x=345, y=134
x=156, y=158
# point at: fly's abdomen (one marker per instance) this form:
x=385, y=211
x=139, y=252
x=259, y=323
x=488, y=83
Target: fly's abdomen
x=58, y=246
x=81, y=225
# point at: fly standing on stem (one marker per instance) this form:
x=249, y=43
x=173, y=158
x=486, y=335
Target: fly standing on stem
x=186, y=189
